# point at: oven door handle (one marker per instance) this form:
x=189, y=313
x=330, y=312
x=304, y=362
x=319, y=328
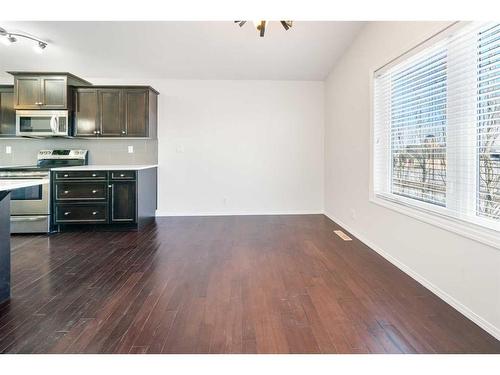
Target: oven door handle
x=30, y=218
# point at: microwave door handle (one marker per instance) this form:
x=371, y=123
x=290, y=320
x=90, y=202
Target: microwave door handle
x=53, y=124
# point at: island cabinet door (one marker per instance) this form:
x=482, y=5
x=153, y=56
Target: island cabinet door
x=111, y=113
x=123, y=202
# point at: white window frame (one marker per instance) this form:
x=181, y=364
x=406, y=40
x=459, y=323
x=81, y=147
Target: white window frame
x=481, y=231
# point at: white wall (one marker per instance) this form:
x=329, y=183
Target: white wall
x=463, y=272
x=238, y=147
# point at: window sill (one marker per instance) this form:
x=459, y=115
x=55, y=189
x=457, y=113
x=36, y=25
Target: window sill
x=475, y=232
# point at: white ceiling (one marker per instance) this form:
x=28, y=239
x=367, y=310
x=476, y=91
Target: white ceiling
x=181, y=50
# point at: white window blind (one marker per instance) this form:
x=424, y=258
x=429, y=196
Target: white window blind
x=437, y=127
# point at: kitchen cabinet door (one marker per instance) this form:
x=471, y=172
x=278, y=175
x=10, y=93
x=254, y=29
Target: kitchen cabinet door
x=136, y=113
x=86, y=113
x=7, y=112
x=111, y=113
x=123, y=202
x=27, y=92
x=54, y=92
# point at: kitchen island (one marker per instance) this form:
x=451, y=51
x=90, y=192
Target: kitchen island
x=104, y=197
x=6, y=186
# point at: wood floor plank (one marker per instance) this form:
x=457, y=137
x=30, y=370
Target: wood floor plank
x=232, y=284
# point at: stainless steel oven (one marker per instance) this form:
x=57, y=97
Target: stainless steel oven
x=29, y=207
x=41, y=123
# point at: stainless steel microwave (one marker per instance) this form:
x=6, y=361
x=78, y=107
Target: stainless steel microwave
x=42, y=123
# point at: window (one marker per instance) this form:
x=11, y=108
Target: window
x=437, y=128
x=418, y=130
x=488, y=123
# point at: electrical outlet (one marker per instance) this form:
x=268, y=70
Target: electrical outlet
x=353, y=213
x=130, y=149
x=8, y=150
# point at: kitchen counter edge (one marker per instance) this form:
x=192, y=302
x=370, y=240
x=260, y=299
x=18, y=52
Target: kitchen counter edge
x=110, y=167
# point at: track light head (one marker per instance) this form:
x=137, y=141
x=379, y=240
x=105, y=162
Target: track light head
x=40, y=47
x=7, y=40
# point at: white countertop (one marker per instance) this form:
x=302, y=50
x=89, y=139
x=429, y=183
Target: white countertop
x=111, y=167
x=17, y=184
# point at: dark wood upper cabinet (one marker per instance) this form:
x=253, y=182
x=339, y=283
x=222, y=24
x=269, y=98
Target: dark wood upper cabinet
x=54, y=92
x=44, y=90
x=27, y=92
x=95, y=111
x=136, y=113
x=7, y=112
x=86, y=113
x=116, y=111
x=110, y=113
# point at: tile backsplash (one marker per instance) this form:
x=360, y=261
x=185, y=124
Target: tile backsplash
x=101, y=151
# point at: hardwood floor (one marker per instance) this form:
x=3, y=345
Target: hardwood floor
x=236, y=284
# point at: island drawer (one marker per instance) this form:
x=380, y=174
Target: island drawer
x=122, y=175
x=81, y=175
x=81, y=213
x=65, y=191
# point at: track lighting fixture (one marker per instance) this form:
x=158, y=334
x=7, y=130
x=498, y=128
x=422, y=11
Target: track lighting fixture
x=261, y=25
x=9, y=38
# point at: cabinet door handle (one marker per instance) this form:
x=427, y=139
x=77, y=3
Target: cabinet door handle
x=65, y=175
x=93, y=175
x=123, y=132
x=95, y=213
x=109, y=186
x=66, y=191
x=94, y=191
x=67, y=213
x=122, y=175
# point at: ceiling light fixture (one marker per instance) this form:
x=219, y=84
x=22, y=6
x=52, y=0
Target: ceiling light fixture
x=39, y=47
x=9, y=38
x=261, y=25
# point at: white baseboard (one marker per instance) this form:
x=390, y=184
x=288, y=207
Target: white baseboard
x=481, y=322
x=240, y=213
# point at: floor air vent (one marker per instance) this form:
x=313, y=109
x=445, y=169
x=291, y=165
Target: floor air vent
x=342, y=235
